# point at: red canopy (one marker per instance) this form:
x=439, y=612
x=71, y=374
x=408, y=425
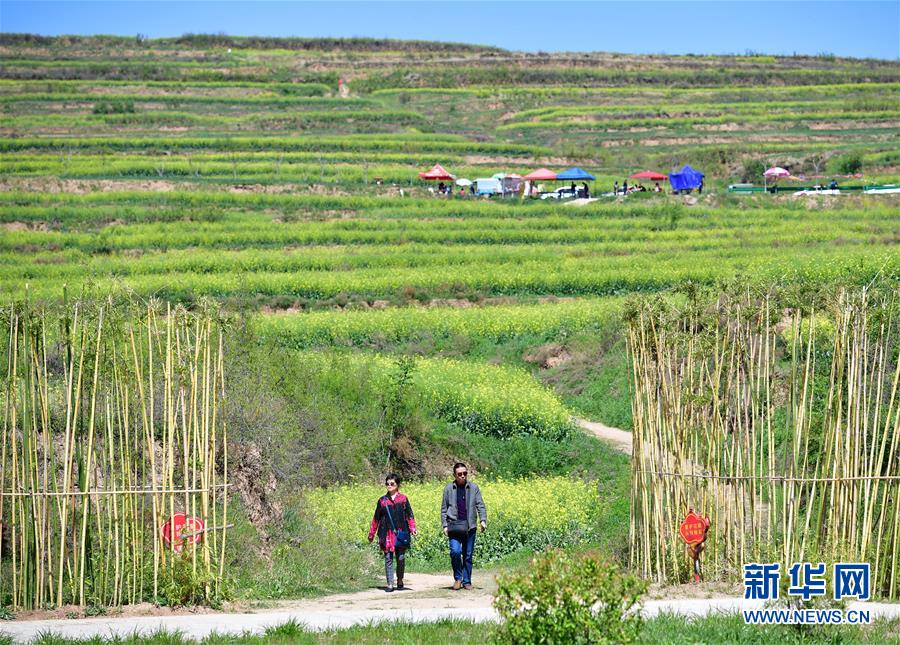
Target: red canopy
x=649, y=174
x=436, y=173
x=541, y=174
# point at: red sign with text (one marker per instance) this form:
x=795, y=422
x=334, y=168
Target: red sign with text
x=693, y=528
x=180, y=530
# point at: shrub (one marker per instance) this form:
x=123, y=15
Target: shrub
x=566, y=598
x=753, y=170
x=848, y=164
x=114, y=107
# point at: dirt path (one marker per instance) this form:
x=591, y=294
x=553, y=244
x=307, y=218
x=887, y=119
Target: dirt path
x=423, y=590
x=619, y=439
x=199, y=627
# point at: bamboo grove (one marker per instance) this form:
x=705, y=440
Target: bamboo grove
x=111, y=424
x=780, y=422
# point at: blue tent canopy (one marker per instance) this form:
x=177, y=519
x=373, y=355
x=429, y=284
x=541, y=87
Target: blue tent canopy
x=575, y=174
x=686, y=178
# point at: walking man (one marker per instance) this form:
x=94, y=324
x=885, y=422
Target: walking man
x=462, y=509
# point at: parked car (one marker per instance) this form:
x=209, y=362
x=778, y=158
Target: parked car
x=565, y=192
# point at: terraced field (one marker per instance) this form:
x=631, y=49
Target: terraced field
x=376, y=325
x=238, y=169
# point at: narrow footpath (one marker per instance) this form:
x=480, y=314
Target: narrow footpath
x=345, y=611
x=618, y=439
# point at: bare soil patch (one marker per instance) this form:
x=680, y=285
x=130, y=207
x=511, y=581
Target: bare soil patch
x=423, y=590
x=457, y=303
x=478, y=160
x=81, y=186
x=680, y=141
x=126, y=611
x=548, y=356
x=256, y=488
x=717, y=127
x=852, y=125
x=582, y=201
x=699, y=590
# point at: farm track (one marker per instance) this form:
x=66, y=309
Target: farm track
x=618, y=439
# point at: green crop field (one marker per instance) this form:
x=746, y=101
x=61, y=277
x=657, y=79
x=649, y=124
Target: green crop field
x=377, y=325
x=177, y=169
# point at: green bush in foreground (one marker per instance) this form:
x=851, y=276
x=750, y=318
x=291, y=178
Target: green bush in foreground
x=566, y=598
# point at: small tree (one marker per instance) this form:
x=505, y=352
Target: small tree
x=849, y=164
x=753, y=170
x=565, y=598
x=816, y=161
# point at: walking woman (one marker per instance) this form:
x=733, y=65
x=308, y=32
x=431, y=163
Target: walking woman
x=394, y=522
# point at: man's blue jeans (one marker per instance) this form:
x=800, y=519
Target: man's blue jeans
x=461, y=547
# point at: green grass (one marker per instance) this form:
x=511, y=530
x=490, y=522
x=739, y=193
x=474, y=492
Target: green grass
x=665, y=629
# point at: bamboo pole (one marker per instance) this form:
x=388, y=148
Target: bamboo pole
x=707, y=390
x=81, y=507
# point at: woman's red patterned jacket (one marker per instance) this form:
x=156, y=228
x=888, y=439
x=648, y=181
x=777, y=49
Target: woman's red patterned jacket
x=402, y=513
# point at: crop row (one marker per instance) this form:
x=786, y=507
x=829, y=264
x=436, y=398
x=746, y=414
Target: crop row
x=562, y=278
x=214, y=91
x=394, y=143
x=489, y=399
x=872, y=102
x=378, y=206
x=108, y=253
x=654, y=227
x=102, y=166
x=530, y=514
x=585, y=121
x=47, y=100
x=494, y=400
x=699, y=110
x=148, y=88
x=265, y=220
x=90, y=159
x=157, y=70
x=624, y=95
x=461, y=76
x=263, y=121
x=399, y=325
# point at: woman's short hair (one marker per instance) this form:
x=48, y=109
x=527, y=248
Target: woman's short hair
x=392, y=476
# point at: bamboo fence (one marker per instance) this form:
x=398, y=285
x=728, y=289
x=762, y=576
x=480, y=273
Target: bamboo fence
x=781, y=424
x=111, y=424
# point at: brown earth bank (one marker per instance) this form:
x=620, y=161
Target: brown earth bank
x=82, y=186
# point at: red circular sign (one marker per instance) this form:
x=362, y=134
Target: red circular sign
x=693, y=528
x=187, y=530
